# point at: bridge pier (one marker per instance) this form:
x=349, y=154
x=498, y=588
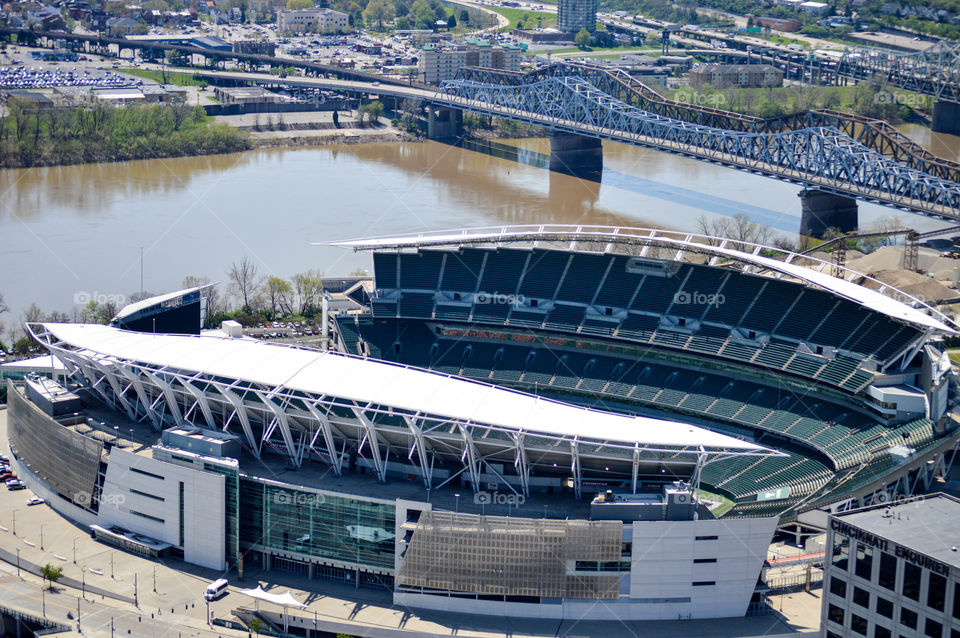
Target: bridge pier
x=444, y=123
x=576, y=155
x=946, y=117
x=821, y=210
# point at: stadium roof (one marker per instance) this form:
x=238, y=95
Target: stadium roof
x=718, y=247
x=137, y=306
x=368, y=381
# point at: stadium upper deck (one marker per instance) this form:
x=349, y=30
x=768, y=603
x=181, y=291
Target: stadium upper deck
x=832, y=372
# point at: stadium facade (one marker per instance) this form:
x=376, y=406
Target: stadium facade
x=532, y=422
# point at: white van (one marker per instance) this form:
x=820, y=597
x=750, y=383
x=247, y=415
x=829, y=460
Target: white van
x=215, y=589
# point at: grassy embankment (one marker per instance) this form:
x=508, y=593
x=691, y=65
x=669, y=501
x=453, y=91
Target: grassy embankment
x=529, y=19
x=888, y=104
x=178, y=78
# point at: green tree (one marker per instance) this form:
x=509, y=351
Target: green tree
x=379, y=11
x=464, y=17
x=402, y=23
x=277, y=292
x=295, y=5
x=422, y=15
x=451, y=21
x=51, y=573
x=582, y=39
x=255, y=626
x=308, y=290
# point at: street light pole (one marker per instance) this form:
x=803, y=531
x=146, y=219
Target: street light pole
x=74, y=551
x=14, y=522
x=18, y=562
x=41, y=534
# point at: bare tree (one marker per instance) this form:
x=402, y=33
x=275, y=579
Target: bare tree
x=33, y=314
x=3, y=305
x=244, y=281
x=215, y=303
x=739, y=228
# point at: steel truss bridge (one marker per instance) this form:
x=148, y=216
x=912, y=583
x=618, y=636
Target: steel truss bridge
x=819, y=157
x=876, y=134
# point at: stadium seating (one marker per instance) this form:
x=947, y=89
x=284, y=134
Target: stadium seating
x=814, y=424
x=684, y=312
x=421, y=270
x=461, y=270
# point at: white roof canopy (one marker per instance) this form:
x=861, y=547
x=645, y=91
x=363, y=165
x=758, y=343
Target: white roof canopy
x=287, y=599
x=369, y=381
x=843, y=287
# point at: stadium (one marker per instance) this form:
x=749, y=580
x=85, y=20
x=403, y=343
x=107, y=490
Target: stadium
x=844, y=375
x=542, y=422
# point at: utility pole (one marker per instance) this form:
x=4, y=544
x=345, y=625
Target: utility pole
x=135, y=601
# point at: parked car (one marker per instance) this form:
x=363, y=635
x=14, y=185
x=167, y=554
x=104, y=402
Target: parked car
x=13, y=486
x=35, y=500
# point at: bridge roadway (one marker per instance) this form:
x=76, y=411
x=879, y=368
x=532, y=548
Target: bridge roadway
x=850, y=169
x=934, y=71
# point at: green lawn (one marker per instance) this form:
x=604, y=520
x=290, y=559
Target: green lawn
x=630, y=48
x=954, y=354
x=173, y=77
x=529, y=18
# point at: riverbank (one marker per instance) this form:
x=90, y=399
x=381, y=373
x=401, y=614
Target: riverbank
x=31, y=138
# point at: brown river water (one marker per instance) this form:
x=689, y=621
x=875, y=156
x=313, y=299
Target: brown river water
x=69, y=234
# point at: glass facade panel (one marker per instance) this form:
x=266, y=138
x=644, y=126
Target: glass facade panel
x=884, y=607
x=932, y=628
x=864, y=567
x=841, y=552
x=911, y=581
x=908, y=618
x=835, y=614
x=888, y=571
x=838, y=587
x=334, y=527
x=858, y=624
x=956, y=599
x=937, y=592
x=861, y=597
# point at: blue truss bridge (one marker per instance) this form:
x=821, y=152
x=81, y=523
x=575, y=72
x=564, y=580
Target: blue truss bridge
x=824, y=158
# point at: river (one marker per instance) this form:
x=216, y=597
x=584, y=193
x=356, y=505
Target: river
x=74, y=233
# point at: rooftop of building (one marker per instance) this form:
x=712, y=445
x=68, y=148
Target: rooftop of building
x=925, y=524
